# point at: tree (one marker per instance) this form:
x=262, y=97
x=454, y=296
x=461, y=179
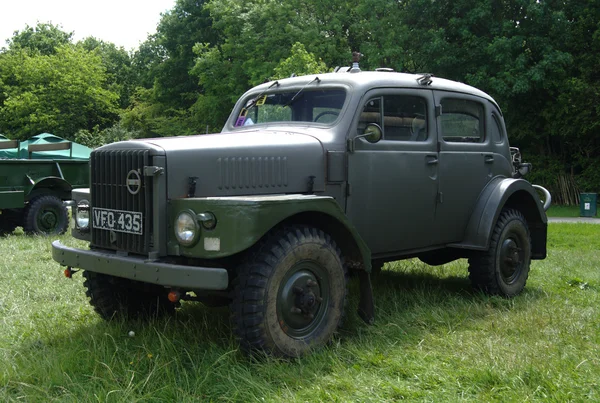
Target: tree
x=44, y=38
x=117, y=61
x=60, y=93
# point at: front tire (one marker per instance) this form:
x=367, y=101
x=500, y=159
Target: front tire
x=504, y=268
x=45, y=215
x=290, y=296
x=116, y=297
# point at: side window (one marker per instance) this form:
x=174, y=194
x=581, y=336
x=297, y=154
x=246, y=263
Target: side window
x=371, y=113
x=404, y=117
x=462, y=121
x=496, y=129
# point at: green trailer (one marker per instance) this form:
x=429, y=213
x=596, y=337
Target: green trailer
x=35, y=190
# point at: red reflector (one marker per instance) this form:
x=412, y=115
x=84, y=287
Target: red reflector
x=174, y=296
x=68, y=273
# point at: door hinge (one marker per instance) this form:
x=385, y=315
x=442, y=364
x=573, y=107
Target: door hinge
x=347, y=189
x=438, y=110
x=440, y=197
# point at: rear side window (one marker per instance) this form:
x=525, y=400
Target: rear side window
x=496, y=129
x=462, y=121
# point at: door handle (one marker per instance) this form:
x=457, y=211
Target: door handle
x=488, y=159
x=432, y=161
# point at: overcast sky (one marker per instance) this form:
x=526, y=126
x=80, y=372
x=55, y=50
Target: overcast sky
x=123, y=22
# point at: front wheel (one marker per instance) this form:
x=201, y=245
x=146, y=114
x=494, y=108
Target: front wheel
x=290, y=296
x=116, y=297
x=45, y=215
x=504, y=268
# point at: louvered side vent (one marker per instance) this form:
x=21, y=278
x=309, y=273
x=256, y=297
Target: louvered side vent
x=109, y=171
x=252, y=172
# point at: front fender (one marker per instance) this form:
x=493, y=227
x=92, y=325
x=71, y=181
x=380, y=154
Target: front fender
x=244, y=220
x=506, y=193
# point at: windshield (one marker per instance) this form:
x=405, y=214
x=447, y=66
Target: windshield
x=304, y=105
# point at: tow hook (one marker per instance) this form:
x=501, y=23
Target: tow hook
x=69, y=272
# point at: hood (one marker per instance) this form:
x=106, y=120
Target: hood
x=241, y=163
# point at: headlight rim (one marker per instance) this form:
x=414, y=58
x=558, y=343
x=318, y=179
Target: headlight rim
x=196, y=231
x=77, y=214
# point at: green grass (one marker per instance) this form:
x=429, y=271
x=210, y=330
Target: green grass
x=434, y=339
x=564, y=211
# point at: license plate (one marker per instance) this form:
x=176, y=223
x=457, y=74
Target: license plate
x=117, y=220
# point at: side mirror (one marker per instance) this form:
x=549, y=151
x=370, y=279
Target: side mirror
x=372, y=133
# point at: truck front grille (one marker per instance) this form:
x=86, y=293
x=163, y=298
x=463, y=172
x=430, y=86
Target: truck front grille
x=109, y=172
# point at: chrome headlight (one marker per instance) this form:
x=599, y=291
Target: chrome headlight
x=82, y=215
x=186, y=228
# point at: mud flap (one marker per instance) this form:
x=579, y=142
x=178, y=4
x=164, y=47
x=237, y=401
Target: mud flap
x=366, y=306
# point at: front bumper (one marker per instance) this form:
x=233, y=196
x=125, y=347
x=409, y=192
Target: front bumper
x=139, y=269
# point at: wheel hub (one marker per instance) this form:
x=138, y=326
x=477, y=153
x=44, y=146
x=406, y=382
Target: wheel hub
x=511, y=259
x=48, y=219
x=301, y=303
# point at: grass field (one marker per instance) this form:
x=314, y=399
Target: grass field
x=563, y=211
x=434, y=339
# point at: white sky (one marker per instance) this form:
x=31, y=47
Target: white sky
x=123, y=22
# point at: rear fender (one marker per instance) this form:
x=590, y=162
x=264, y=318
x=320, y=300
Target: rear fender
x=503, y=193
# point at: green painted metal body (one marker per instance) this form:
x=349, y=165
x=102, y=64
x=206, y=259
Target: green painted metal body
x=242, y=221
x=21, y=179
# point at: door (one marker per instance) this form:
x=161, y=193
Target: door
x=466, y=162
x=393, y=183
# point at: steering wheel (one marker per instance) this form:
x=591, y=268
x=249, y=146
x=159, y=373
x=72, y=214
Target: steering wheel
x=320, y=115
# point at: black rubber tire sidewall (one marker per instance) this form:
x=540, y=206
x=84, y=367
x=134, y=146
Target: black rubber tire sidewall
x=514, y=228
x=328, y=259
x=38, y=205
x=257, y=284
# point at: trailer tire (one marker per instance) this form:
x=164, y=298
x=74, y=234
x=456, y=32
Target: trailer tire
x=45, y=215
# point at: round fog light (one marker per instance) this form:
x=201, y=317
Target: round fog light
x=208, y=220
x=186, y=228
x=82, y=214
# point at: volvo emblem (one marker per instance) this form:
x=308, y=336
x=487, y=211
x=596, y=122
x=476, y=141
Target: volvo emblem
x=133, y=182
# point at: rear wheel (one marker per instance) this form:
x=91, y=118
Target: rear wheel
x=45, y=215
x=116, y=297
x=290, y=296
x=504, y=268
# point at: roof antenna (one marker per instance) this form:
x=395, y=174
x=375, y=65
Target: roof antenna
x=355, y=59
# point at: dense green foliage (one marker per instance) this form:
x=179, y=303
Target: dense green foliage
x=538, y=59
x=433, y=340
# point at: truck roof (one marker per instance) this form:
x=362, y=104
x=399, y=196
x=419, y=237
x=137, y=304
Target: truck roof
x=364, y=80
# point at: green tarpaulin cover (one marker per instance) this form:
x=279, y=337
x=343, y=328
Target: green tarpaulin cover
x=79, y=152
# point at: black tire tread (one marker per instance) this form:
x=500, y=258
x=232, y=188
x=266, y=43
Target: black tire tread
x=29, y=215
x=482, y=277
x=249, y=285
x=115, y=297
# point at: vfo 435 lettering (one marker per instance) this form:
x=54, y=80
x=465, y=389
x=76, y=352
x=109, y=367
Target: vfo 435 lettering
x=117, y=220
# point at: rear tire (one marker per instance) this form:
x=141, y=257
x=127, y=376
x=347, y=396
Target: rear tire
x=116, y=297
x=45, y=215
x=289, y=297
x=504, y=268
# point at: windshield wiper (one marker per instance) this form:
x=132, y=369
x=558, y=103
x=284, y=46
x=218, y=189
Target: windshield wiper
x=317, y=79
x=253, y=102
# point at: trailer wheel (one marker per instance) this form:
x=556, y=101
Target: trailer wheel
x=46, y=215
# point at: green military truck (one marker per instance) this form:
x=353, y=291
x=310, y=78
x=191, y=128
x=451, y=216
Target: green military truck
x=311, y=178
x=36, y=179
